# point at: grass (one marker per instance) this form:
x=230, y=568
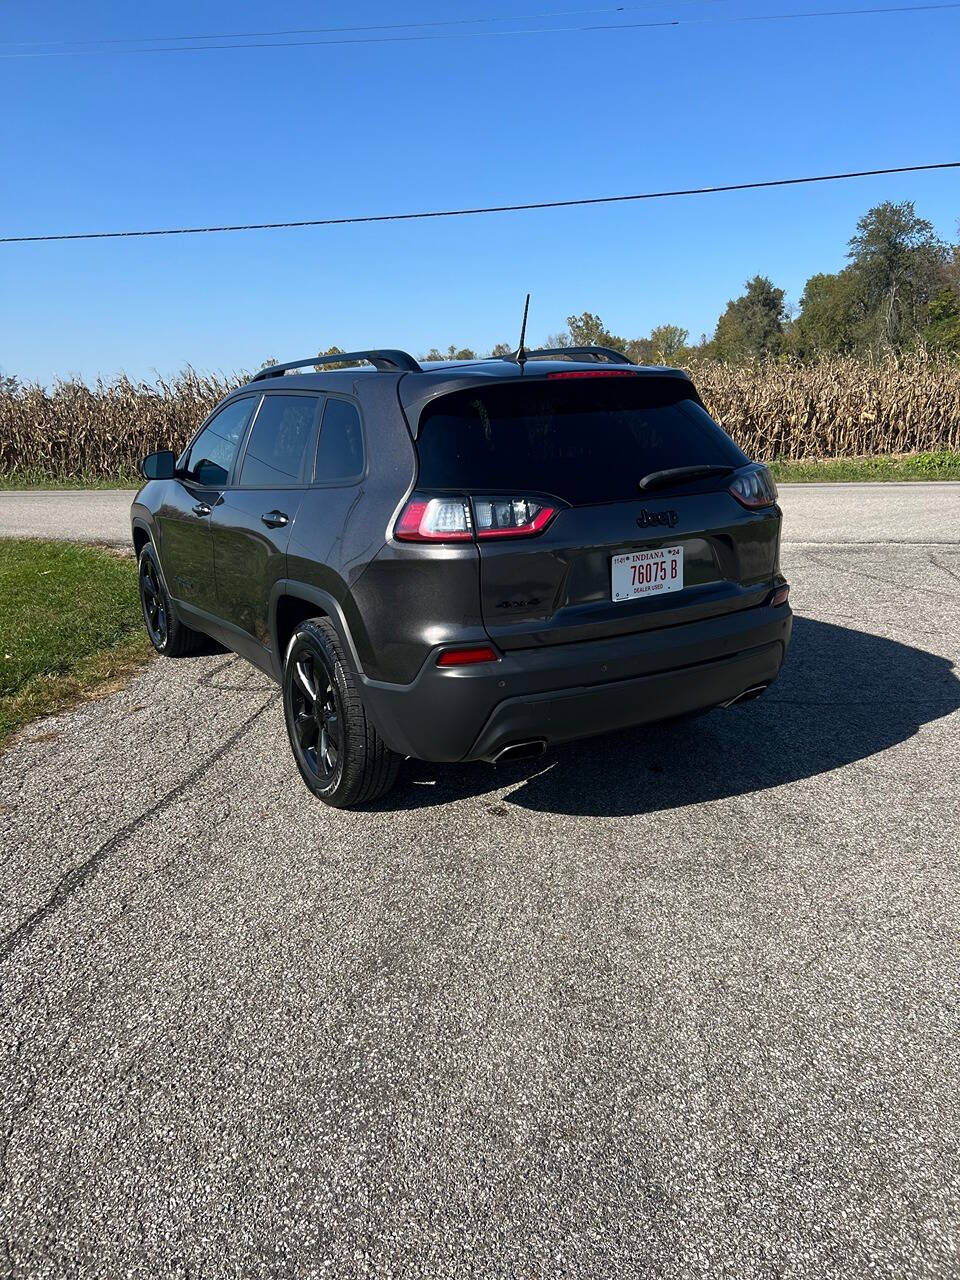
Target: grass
x=944, y=465
x=36, y=479
x=70, y=627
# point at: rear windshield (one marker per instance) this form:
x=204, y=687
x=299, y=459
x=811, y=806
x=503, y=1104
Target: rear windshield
x=583, y=440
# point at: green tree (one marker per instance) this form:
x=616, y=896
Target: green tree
x=332, y=351
x=640, y=351
x=501, y=349
x=831, y=315
x=452, y=352
x=899, y=263
x=669, y=343
x=751, y=325
x=943, y=321
x=588, y=330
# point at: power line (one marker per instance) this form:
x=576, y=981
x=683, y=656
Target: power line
x=365, y=26
x=489, y=35
x=498, y=208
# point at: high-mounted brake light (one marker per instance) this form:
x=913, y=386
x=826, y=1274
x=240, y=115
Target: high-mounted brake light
x=467, y=657
x=595, y=373
x=456, y=519
x=754, y=488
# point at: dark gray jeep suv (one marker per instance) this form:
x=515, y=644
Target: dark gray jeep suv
x=466, y=561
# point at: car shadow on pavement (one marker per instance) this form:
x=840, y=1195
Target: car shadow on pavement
x=843, y=695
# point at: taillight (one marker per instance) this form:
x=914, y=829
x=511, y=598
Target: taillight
x=595, y=373
x=780, y=596
x=455, y=519
x=468, y=657
x=754, y=488
x=434, y=520
x=511, y=517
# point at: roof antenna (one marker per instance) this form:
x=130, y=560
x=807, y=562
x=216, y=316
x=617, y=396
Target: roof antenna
x=520, y=355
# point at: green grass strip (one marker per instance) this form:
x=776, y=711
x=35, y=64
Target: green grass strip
x=912, y=466
x=70, y=626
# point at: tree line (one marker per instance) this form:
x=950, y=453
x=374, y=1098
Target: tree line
x=900, y=290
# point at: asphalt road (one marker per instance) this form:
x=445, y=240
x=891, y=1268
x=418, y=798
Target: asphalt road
x=74, y=515
x=682, y=1002
x=924, y=513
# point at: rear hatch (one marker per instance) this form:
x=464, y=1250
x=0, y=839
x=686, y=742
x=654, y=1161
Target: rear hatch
x=614, y=557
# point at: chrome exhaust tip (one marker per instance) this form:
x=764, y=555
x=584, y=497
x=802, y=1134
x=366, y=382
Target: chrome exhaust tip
x=747, y=696
x=528, y=750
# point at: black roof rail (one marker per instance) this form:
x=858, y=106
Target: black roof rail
x=607, y=354
x=385, y=359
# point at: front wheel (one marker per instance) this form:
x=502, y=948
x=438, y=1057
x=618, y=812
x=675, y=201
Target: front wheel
x=339, y=753
x=167, y=633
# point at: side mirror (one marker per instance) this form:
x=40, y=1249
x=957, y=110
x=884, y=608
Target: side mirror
x=159, y=466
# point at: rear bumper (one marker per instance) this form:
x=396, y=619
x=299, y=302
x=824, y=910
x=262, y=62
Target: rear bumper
x=561, y=692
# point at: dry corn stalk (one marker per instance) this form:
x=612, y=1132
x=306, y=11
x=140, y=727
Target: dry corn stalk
x=837, y=408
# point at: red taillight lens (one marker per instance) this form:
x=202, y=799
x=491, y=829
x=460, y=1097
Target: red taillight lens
x=754, y=488
x=457, y=519
x=434, y=520
x=780, y=596
x=511, y=517
x=467, y=657
x=595, y=373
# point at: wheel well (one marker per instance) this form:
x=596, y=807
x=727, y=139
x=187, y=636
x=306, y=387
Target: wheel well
x=291, y=611
x=140, y=540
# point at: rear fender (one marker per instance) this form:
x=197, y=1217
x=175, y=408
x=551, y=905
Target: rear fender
x=326, y=604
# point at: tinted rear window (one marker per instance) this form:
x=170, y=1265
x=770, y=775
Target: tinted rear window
x=278, y=442
x=583, y=440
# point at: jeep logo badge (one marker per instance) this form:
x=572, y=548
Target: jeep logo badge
x=648, y=518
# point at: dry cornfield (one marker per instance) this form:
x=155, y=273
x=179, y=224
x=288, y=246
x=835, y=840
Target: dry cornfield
x=835, y=408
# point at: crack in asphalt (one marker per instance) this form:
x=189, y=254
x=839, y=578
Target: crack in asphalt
x=865, y=575
x=77, y=876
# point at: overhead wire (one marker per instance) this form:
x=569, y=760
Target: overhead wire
x=480, y=209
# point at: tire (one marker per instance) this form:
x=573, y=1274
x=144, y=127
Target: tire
x=339, y=753
x=167, y=633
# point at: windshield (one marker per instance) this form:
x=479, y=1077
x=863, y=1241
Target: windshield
x=583, y=440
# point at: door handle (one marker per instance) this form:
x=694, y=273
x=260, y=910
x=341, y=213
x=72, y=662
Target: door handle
x=201, y=509
x=275, y=519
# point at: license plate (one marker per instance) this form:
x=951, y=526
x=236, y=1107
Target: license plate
x=646, y=573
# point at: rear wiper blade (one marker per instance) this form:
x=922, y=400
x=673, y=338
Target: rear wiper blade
x=677, y=475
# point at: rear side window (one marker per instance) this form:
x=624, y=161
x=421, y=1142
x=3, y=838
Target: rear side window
x=340, y=448
x=278, y=442
x=213, y=452
x=583, y=440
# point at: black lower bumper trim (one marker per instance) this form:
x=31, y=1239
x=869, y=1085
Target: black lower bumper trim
x=580, y=713
x=559, y=692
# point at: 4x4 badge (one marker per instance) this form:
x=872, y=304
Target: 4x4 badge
x=647, y=518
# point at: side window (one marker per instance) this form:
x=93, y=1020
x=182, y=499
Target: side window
x=340, y=448
x=278, y=442
x=215, y=448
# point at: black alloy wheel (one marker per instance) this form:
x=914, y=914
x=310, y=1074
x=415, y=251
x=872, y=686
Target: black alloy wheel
x=317, y=718
x=339, y=753
x=153, y=597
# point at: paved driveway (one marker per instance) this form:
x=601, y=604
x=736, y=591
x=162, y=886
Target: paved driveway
x=682, y=1002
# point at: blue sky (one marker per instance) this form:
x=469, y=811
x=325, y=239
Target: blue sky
x=99, y=142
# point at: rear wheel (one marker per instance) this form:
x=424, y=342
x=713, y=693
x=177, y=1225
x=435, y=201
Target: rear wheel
x=167, y=633
x=339, y=753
